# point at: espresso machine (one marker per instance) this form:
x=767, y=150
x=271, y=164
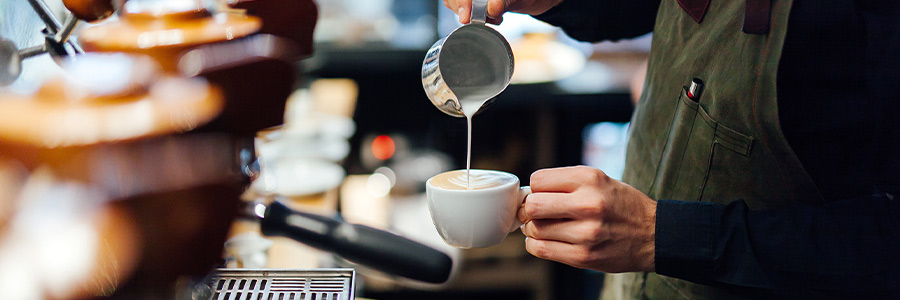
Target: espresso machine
x=124, y=169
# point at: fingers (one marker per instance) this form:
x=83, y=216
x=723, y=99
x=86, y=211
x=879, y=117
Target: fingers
x=545, y=206
x=566, y=179
x=463, y=9
x=607, y=256
x=570, y=254
x=587, y=232
x=460, y=7
x=495, y=21
x=495, y=9
x=539, y=206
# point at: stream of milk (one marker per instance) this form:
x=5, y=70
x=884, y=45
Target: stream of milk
x=469, y=107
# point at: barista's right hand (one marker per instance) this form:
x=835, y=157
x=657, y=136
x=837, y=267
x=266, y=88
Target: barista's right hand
x=496, y=8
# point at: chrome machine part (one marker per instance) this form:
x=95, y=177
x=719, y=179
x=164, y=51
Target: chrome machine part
x=331, y=284
x=10, y=62
x=57, y=42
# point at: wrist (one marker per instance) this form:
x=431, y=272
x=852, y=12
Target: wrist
x=648, y=264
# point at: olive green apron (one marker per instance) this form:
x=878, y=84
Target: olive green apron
x=724, y=146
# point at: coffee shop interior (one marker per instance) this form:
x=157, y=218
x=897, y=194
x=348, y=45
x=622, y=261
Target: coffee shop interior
x=276, y=149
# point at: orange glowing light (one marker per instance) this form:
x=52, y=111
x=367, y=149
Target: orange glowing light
x=383, y=147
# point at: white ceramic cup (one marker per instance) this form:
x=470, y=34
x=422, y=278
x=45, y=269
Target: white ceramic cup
x=480, y=217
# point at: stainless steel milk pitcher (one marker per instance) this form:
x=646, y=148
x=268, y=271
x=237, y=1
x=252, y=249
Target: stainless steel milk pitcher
x=472, y=63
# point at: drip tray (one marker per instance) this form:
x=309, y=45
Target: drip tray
x=281, y=284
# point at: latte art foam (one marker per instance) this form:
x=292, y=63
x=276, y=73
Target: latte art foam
x=480, y=179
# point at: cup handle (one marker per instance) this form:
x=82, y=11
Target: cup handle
x=479, y=12
x=523, y=192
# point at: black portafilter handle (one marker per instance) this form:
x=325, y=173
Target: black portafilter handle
x=375, y=248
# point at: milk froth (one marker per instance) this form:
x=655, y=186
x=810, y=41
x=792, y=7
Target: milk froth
x=476, y=179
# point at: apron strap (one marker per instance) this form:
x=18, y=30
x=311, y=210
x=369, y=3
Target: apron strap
x=756, y=16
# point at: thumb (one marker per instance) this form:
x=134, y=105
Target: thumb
x=496, y=8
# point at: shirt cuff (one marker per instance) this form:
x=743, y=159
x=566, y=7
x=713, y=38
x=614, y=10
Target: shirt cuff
x=685, y=239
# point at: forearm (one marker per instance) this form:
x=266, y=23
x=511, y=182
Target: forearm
x=599, y=20
x=848, y=245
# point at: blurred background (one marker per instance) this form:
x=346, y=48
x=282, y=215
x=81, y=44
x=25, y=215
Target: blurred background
x=344, y=131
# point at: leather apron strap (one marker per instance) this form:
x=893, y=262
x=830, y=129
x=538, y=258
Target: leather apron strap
x=756, y=16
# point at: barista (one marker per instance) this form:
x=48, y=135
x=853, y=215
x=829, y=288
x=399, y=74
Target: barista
x=763, y=156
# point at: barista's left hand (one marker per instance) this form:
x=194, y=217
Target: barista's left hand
x=580, y=217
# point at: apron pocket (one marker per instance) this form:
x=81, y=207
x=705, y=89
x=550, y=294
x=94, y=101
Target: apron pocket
x=693, y=139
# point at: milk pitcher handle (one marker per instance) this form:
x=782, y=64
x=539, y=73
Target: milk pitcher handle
x=479, y=12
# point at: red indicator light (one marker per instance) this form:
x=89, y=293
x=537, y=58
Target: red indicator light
x=383, y=147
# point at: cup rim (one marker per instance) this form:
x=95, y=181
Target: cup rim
x=516, y=183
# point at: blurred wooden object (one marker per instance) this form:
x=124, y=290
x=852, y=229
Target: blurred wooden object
x=165, y=32
x=255, y=95
x=255, y=74
x=172, y=200
x=114, y=124
x=129, y=100
x=172, y=195
x=294, y=20
x=90, y=10
x=120, y=247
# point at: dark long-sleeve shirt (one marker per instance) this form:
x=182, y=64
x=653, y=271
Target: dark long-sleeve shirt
x=838, y=98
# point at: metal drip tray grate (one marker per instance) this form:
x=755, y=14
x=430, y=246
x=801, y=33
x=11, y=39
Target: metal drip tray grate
x=282, y=284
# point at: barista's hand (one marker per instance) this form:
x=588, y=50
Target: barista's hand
x=580, y=217
x=496, y=8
